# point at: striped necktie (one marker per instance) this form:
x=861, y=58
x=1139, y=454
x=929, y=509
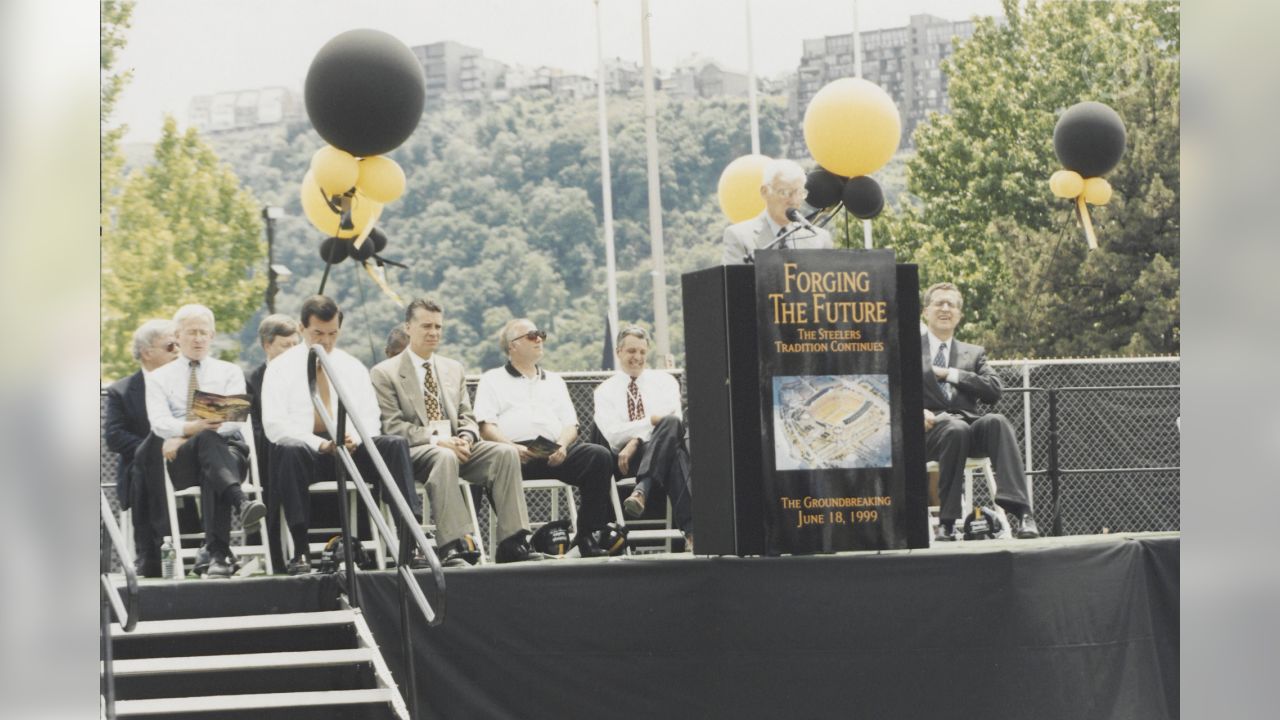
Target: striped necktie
x=193, y=384
x=635, y=404
x=941, y=360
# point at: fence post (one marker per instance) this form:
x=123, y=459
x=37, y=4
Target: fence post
x=1054, y=480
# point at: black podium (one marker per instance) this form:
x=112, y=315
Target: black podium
x=725, y=398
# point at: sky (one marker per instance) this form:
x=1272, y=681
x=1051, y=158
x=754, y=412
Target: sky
x=181, y=48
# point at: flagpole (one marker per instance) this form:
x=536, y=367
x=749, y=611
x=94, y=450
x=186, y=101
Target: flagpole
x=606, y=182
x=659, y=272
x=751, y=85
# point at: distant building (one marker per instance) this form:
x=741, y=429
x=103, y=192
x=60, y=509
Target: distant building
x=905, y=61
x=704, y=78
x=454, y=71
x=242, y=109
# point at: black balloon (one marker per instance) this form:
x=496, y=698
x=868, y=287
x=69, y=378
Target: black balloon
x=379, y=239
x=863, y=197
x=367, y=248
x=824, y=188
x=364, y=92
x=1089, y=139
x=334, y=250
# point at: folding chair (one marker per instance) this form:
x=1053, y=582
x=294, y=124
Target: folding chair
x=655, y=528
x=467, y=498
x=543, y=484
x=353, y=506
x=252, y=488
x=966, y=498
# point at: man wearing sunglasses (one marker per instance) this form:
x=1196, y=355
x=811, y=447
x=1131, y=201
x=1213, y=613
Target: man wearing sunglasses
x=638, y=413
x=127, y=431
x=521, y=402
x=782, y=187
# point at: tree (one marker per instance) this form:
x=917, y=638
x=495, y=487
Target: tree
x=980, y=213
x=186, y=231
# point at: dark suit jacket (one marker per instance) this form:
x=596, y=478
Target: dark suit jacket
x=978, y=382
x=253, y=384
x=404, y=412
x=127, y=429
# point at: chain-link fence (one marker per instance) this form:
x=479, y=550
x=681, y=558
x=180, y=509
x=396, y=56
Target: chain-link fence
x=1128, y=434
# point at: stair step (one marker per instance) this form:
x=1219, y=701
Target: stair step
x=247, y=661
x=158, y=628
x=225, y=703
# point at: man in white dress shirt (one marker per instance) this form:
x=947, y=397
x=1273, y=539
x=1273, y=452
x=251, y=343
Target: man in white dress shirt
x=303, y=452
x=207, y=453
x=638, y=412
x=782, y=186
x=520, y=402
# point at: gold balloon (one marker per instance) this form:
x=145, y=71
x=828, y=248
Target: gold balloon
x=324, y=219
x=852, y=127
x=1066, y=184
x=334, y=169
x=381, y=179
x=1097, y=191
x=739, y=188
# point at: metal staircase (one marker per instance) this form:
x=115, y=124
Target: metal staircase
x=292, y=665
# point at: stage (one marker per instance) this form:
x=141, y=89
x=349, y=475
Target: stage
x=1075, y=627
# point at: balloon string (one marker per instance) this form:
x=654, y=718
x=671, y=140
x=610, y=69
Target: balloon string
x=1044, y=272
x=364, y=303
x=848, y=240
x=325, y=278
x=383, y=284
x=1082, y=211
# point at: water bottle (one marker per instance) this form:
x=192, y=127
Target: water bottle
x=168, y=559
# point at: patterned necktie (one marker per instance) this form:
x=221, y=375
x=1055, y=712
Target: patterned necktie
x=782, y=231
x=431, y=394
x=635, y=404
x=940, y=360
x=193, y=384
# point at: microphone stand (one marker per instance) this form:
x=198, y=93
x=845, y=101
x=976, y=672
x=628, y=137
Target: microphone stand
x=780, y=242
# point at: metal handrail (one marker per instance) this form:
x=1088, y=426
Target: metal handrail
x=112, y=539
x=317, y=357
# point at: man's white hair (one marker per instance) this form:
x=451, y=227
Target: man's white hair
x=782, y=169
x=188, y=312
x=147, y=333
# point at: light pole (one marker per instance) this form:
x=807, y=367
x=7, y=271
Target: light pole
x=269, y=215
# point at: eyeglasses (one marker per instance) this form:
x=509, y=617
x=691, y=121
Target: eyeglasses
x=944, y=303
x=785, y=193
x=167, y=347
x=532, y=335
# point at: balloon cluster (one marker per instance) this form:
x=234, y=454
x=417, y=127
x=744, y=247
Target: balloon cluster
x=1089, y=141
x=364, y=94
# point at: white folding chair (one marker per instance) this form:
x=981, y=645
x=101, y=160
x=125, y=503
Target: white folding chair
x=252, y=488
x=971, y=465
x=555, y=487
x=653, y=528
x=330, y=487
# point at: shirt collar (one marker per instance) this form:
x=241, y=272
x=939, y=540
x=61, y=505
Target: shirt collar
x=934, y=342
x=417, y=361
x=513, y=372
x=773, y=227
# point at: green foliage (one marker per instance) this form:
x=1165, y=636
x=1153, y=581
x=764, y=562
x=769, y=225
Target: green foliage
x=502, y=217
x=116, y=16
x=982, y=215
x=186, y=231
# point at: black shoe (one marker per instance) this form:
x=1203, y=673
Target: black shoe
x=941, y=534
x=251, y=513
x=517, y=549
x=1023, y=527
x=457, y=553
x=299, y=566
x=203, y=560
x=587, y=545
x=220, y=568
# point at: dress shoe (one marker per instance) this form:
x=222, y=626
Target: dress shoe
x=633, y=506
x=458, y=553
x=299, y=566
x=688, y=542
x=203, y=560
x=941, y=534
x=251, y=513
x=517, y=549
x=220, y=568
x=587, y=545
x=1024, y=526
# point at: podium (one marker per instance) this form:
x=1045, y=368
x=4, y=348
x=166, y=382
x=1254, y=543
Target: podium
x=725, y=418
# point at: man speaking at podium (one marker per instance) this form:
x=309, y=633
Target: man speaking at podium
x=782, y=186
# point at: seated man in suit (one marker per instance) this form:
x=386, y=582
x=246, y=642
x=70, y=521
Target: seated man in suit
x=782, y=187
x=208, y=453
x=638, y=412
x=303, y=451
x=423, y=397
x=520, y=402
x=956, y=377
x=276, y=333
x=127, y=429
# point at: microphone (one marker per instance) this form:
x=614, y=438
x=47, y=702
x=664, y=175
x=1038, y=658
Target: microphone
x=794, y=216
